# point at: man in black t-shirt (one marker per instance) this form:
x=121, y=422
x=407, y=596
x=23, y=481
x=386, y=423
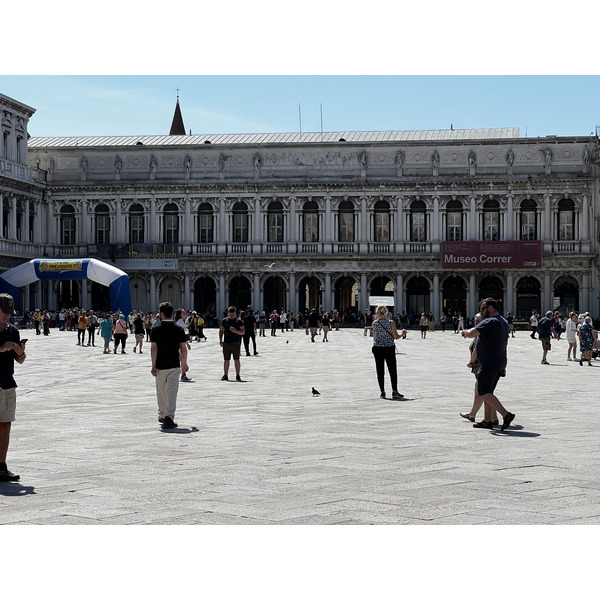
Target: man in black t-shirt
x=491, y=353
x=11, y=350
x=168, y=350
x=230, y=337
x=250, y=331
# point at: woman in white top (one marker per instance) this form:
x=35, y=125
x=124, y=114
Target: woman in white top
x=571, y=331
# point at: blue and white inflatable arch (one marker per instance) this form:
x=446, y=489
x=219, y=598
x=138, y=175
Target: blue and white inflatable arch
x=78, y=268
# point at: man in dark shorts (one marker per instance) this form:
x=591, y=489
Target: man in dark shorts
x=168, y=350
x=230, y=338
x=545, y=330
x=11, y=350
x=491, y=352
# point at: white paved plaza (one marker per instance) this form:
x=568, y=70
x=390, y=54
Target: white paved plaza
x=89, y=449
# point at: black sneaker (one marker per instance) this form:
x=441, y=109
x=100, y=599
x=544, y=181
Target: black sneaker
x=238, y=378
x=508, y=419
x=397, y=394
x=484, y=425
x=6, y=475
x=224, y=378
x=168, y=423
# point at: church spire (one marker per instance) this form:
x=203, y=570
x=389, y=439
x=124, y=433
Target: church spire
x=177, y=127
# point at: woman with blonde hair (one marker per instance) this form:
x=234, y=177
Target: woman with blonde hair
x=385, y=335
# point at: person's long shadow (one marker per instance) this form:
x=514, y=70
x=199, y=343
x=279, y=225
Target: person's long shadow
x=180, y=430
x=12, y=488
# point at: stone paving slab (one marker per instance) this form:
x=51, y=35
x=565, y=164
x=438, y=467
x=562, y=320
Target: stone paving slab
x=265, y=451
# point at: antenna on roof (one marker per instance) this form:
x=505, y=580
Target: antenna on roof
x=321, y=121
x=300, y=117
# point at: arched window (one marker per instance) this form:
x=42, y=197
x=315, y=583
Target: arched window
x=382, y=221
x=136, y=224
x=171, y=224
x=566, y=220
x=491, y=221
x=346, y=221
x=528, y=220
x=454, y=213
x=67, y=226
x=102, y=224
x=275, y=222
x=310, y=217
x=418, y=224
x=205, y=224
x=240, y=223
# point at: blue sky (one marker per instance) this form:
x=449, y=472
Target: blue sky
x=78, y=105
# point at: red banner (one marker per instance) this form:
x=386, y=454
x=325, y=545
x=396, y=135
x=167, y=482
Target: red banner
x=492, y=255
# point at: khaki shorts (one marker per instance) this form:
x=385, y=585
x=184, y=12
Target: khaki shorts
x=8, y=405
x=545, y=343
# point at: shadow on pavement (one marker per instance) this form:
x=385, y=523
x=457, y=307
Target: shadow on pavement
x=12, y=488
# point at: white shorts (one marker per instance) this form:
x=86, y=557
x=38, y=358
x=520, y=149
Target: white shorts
x=8, y=405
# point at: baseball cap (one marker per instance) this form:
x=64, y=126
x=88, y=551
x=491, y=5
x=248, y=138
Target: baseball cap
x=7, y=304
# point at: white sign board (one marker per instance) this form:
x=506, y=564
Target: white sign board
x=385, y=300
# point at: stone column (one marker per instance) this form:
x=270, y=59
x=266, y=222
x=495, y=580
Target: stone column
x=327, y=299
x=293, y=296
x=221, y=305
x=1, y=216
x=509, y=301
x=471, y=302
x=119, y=224
x=435, y=237
x=187, y=227
x=546, y=295
x=187, y=296
x=363, y=294
x=153, y=239
x=399, y=222
x=399, y=293
x=153, y=294
x=546, y=220
x=473, y=229
x=85, y=296
x=585, y=221
x=258, y=224
x=585, y=294
x=25, y=223
x=510, y=231
x=255, y=298
x=12, y=219
x=328, y=226
x=436, y=296
x=363, y=220
x=292, y=224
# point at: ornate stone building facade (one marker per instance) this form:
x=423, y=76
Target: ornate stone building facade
x=326, y=220
x=22, y=188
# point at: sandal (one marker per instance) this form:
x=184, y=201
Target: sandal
x=467, y=416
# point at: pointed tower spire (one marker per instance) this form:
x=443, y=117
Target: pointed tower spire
x=177, y=127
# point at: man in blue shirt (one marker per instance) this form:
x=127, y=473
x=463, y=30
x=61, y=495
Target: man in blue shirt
x=491, y=352
x=545, y=329
x=11, y=350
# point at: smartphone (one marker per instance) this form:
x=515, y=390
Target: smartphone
x=23, y=341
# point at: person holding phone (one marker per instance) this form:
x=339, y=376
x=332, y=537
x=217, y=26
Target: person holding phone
x=12, y=349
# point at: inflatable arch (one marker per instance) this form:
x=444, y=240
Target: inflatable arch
x=78, y=268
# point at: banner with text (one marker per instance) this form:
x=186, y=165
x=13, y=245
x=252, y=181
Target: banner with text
x=492, y=255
